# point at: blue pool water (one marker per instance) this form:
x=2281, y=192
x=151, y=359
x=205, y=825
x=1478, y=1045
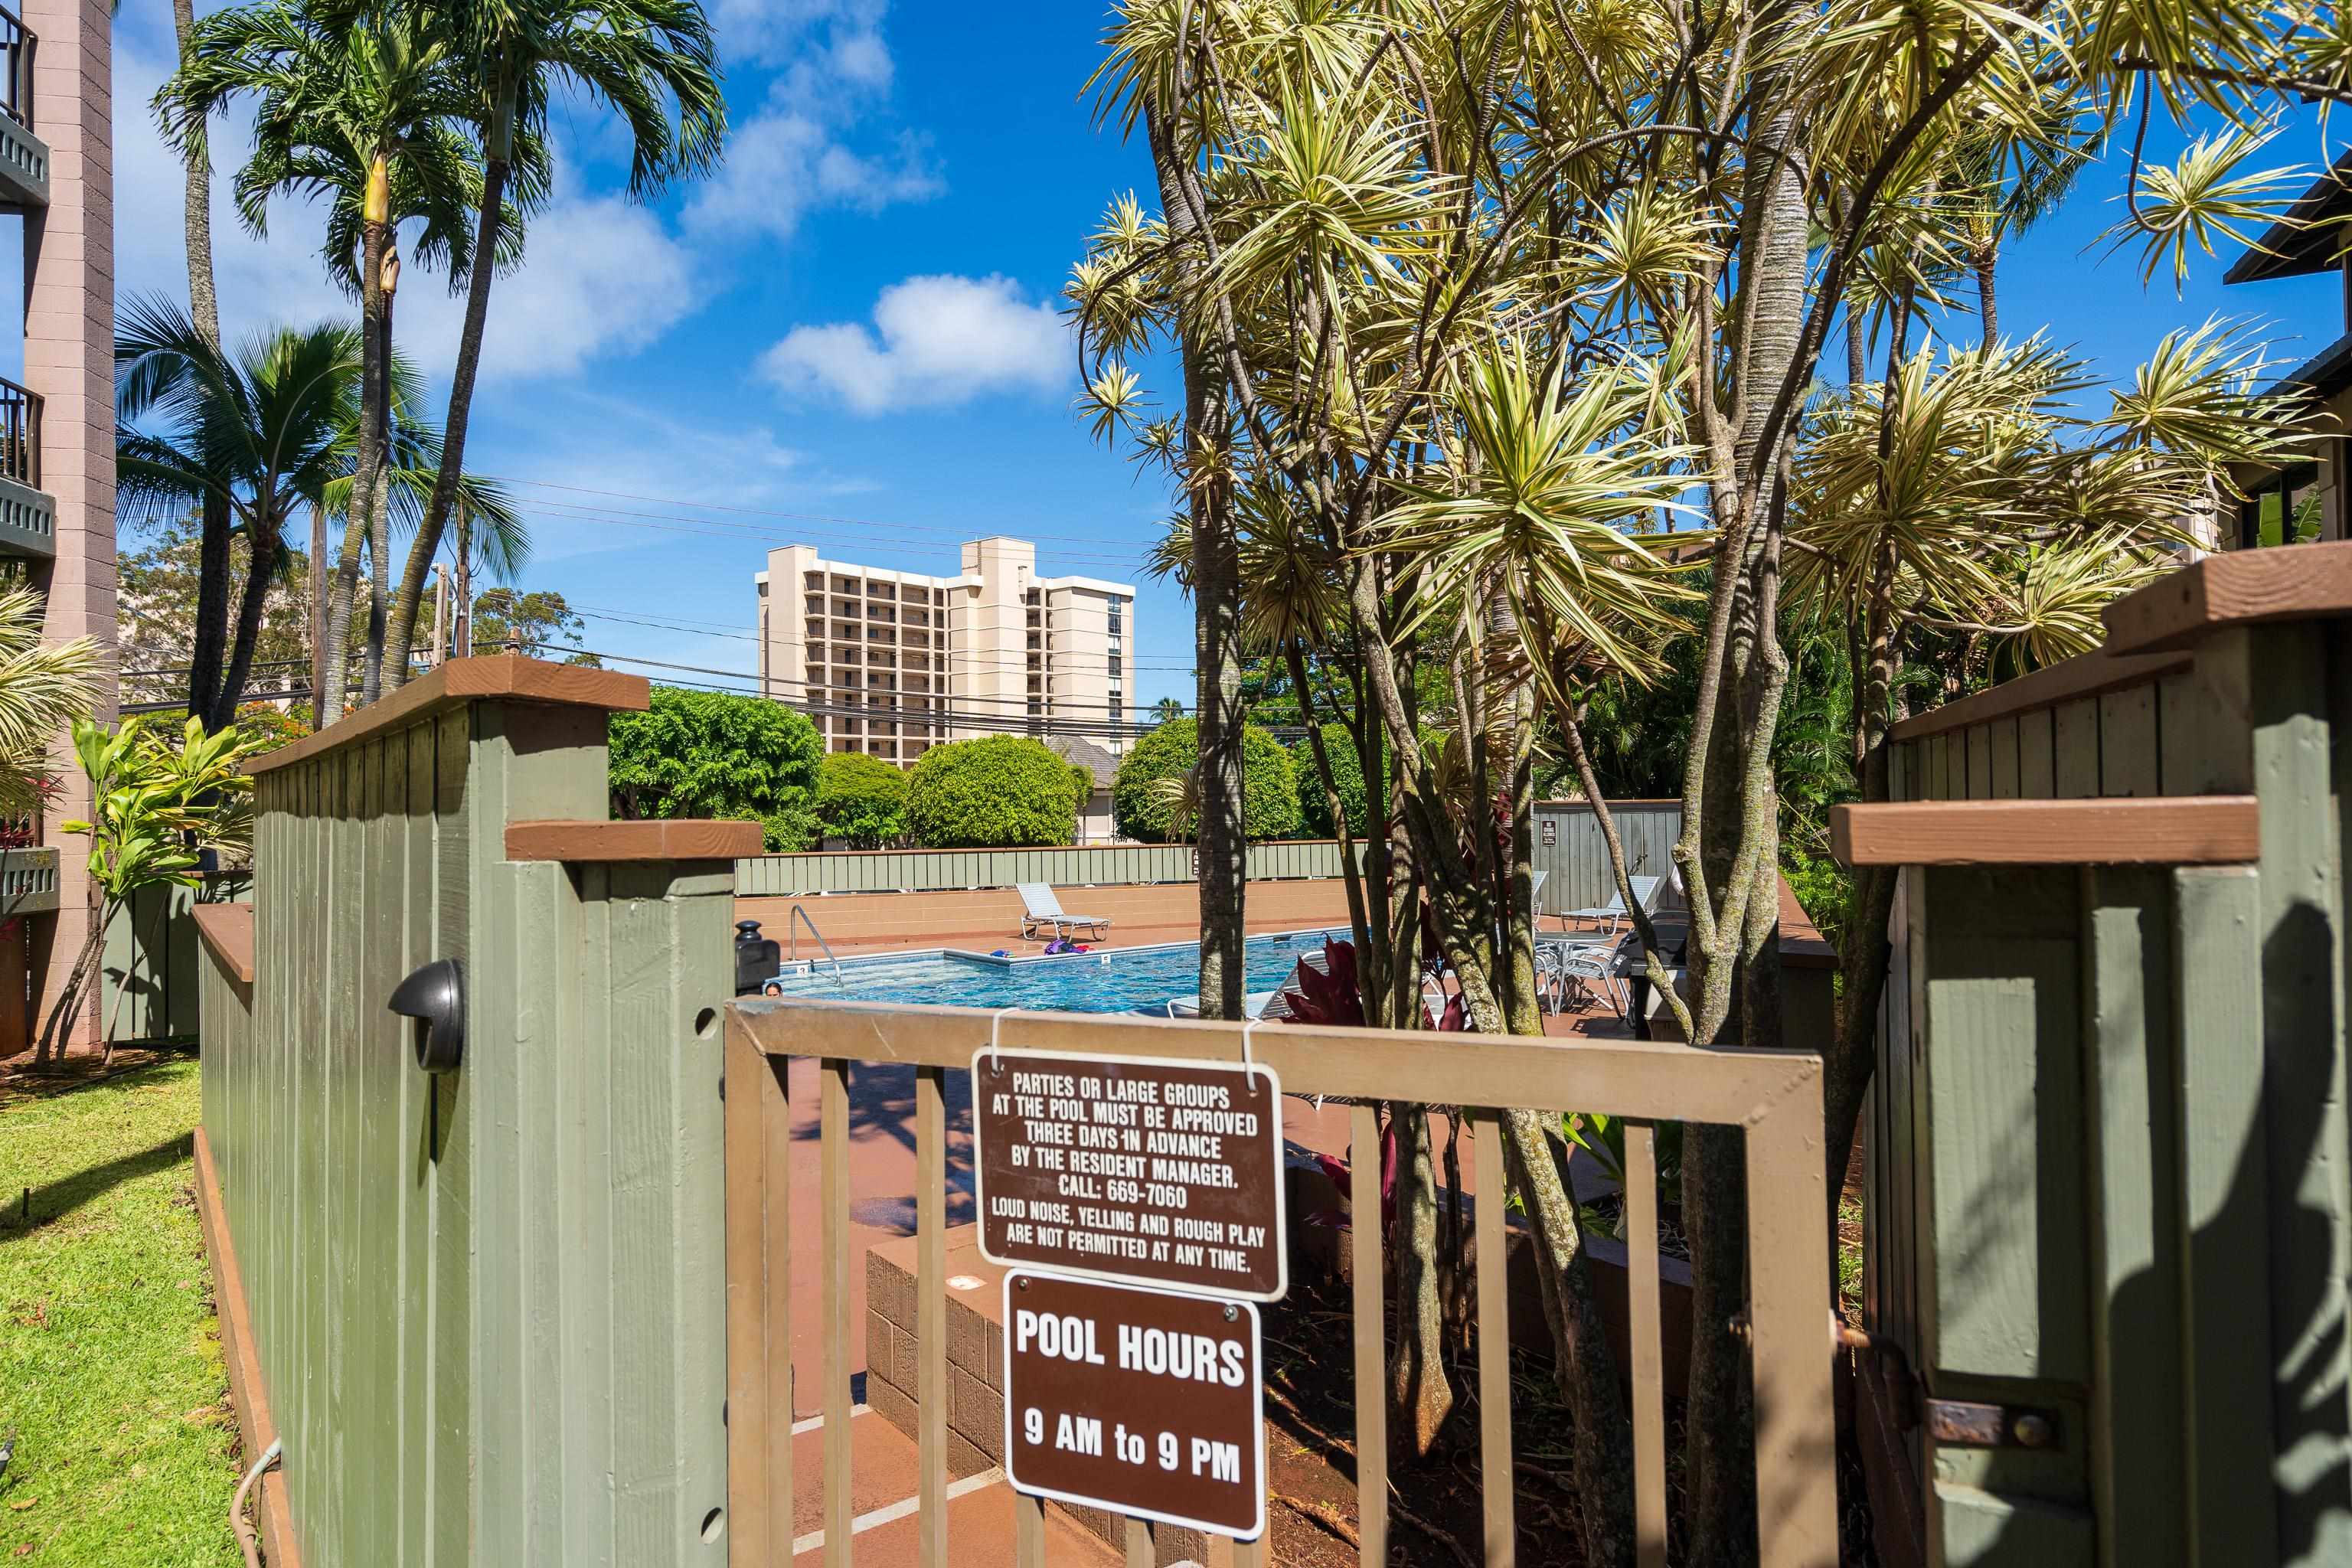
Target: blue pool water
x=1120, y=981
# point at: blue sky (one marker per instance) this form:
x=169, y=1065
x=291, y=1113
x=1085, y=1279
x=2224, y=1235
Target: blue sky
x=846, y=338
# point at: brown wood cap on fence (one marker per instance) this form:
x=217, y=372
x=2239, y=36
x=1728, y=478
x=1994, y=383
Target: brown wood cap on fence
x=2241, y=587
x=498, y=675
x=248, y=1393
x=2175, y=830
x=227, y=929
x=679, y=839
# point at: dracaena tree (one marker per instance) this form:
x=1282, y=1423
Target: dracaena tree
x=1481, y=298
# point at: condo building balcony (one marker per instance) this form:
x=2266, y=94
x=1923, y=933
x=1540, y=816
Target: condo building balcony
x=24, y=157
x=28, y=514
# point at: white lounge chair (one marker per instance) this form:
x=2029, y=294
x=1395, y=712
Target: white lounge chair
x=1256, y=1005
x=1609, y=915
x=1041, y=910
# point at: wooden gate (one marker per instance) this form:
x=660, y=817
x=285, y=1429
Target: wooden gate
x=1775, y=1096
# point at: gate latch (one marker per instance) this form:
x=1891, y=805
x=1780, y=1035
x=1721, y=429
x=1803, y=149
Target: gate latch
x=1961, y=1424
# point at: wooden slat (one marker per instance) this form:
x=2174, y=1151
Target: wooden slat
x=2238, y=587
x=834, y=1315
x=759, y=1422
x=2085, y=676
x=931, y=1311
x=1138, y=1544
x=2223, y=1240
x=2132, y=1151
x=1371, y=1336
x=672, y=839
x=227, y=931
x=1650, y=1080
x=2176, y=830
x=1642, y=1329
x=1028, y=1532
x=1498, y=1490
x=1789, y=1270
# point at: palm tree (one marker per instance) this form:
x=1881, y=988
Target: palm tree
x=638, y=58
x=366, y=106
x=265, y=430
x=1167, y=710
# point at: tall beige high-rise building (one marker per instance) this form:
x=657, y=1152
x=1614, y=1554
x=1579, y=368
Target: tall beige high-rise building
x=893, y=663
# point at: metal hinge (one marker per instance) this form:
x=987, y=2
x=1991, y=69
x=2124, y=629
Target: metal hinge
x=1961, y=1423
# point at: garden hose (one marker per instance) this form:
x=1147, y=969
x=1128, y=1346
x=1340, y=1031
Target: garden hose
x=245, y=1539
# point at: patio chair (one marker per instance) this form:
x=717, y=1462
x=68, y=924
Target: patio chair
x=1601, y=969
x=1041, y=909
x=1607, y=916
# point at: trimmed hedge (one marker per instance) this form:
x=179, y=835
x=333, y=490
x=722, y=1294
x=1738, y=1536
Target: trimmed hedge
x=1005, y=792
x=1346, y=776
x=862, y=799
x=705, y=753
x=1269, y=782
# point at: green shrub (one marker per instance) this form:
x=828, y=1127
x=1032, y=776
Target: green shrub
x=1346, y=776
x=705, y=753
x=1004, y=792
x=1269, y=782
x=862, y=799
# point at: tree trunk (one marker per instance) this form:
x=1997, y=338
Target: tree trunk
x=1420, y=1395
x=365, y=473
x=319, y=619
x=1731, y=849
x=262, y=566
x=461, y=408
x=463, y=640
x=1221, y=844
x=204, y=305
x=203, y=310
x=378, y=535
x=1988, y=261
x=211, y=631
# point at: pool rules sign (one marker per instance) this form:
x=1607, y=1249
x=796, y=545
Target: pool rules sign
x=1138, y=1204
x=1151, y=1173
x=1145, y=1402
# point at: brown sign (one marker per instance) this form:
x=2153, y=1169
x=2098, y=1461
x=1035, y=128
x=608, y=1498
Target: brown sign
x=1143, y=1402
x=1155, y=1172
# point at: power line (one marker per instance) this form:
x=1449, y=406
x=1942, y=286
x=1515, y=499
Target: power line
x=861, y=522
x=718, y=527
x=698, y=628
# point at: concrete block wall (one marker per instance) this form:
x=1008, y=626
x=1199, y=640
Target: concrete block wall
x=70, y=360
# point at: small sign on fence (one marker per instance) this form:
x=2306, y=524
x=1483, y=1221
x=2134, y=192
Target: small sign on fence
x=1550, y=832
x=1144, y=1402
x=1131, y=1168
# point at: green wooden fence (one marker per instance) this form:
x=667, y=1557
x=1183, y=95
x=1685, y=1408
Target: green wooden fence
x=150, y=960
x=1569, y=846
x=487, y=1305
x=2107, y=1195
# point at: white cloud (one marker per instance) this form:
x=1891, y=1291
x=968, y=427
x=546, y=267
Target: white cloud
x=795, y=155
x=935, y=340
x=782, y=164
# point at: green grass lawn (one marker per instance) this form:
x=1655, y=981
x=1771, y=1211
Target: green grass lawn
x=110, y=1369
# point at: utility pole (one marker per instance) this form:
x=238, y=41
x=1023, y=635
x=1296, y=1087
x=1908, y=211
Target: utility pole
x=440, y=613
x=464, y=626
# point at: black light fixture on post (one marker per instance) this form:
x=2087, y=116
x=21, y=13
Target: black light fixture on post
x=435, y=994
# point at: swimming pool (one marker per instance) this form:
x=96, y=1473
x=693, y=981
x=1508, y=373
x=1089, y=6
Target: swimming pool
x=1124, y=980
